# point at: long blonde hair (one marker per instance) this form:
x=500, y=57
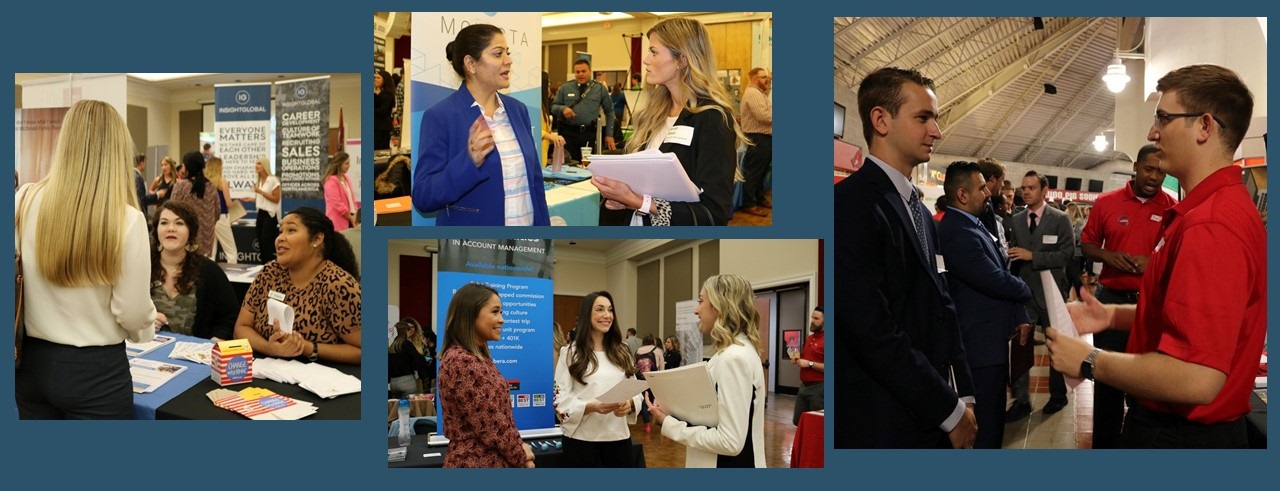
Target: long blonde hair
x=213, y=172
x=732, y=296
x=80, y=225
x=688, y=40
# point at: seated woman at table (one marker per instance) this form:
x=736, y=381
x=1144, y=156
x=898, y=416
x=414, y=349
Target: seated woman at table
x=314, y=272
x=83, y=243
x=474, y=396
x=478, y=164
x=726, y=309
x=407, y=360
x=691, y=116
x=595, y=432
x=191, y=293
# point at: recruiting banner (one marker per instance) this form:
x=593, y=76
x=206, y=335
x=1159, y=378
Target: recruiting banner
x=302, y=136
x=432, y=77
x=520, y=270
x=242, y=132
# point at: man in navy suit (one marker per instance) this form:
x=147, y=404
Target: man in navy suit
x=902, y=379
x=988, y=298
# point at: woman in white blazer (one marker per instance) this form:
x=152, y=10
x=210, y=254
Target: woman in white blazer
x=726, y=310
x=596, y=434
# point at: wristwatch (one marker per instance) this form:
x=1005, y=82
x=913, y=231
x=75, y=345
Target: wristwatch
x=1086, y=366
x=315, y=352
x=810, y=364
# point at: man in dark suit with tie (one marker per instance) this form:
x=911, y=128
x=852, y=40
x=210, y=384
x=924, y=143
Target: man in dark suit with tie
x=902, y=379
x=1042, y=239
x=988, y=298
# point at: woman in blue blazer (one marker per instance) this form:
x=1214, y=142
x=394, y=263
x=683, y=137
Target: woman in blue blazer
x=478, y=164
x=693, y=118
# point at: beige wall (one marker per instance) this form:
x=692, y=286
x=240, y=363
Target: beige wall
x=609, y=50
x=344, y=93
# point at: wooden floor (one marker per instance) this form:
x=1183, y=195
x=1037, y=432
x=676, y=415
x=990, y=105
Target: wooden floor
x=659, y=451
x=746, y=219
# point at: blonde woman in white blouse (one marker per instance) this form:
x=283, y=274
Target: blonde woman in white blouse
x=87, y=270
x=596, y=434
x=726, y=310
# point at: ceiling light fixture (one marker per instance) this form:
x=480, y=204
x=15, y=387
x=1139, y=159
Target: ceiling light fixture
x=1100, y=142
x=1116, y=77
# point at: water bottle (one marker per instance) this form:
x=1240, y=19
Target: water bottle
x=404, y=423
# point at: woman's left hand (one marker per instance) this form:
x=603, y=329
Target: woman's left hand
x=617, y=191
x=655, y=409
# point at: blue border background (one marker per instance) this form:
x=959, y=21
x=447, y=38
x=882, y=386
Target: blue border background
x=291, y=36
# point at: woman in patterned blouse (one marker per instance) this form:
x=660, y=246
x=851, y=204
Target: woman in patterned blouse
x=314, y=272
x=473, y=394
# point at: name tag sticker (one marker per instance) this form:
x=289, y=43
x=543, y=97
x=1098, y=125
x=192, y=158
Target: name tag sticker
x=942, y=266
x=279, y=297
x=1049, y=239
x=681, y=135
x=1156, y=218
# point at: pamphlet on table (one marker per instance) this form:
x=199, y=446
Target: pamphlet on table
x=138, y=349
x=150, y=374
x=261, y=404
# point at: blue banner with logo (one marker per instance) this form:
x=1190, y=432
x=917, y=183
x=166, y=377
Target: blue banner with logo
x=520, y=271
x=302, y=136
x=242, y=132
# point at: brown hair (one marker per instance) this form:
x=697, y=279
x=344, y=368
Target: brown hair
x=883, y=89
x=1216, y=91
x=460, y=321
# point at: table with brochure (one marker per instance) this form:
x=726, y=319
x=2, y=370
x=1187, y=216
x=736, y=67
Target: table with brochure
x=186, y=395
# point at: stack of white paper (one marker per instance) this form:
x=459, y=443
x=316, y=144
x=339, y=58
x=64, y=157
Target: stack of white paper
x=687, y=393
x=650, y=172
x=277, y=310
x=326, y=382
x=1059, y=317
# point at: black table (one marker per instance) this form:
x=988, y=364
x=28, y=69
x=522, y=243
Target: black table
x=1256, y=422
x=551, y=457
x=194, y=404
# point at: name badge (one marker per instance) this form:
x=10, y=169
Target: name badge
x=681, y=135
x=279, y=297
x=1156, y=218
x=942, y=266
x=1049, y=239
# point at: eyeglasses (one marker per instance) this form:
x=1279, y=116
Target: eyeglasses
x=1160, y=119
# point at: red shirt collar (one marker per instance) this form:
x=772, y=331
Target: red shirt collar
x=1221, y=178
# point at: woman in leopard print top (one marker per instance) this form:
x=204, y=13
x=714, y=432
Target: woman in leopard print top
x=315, y=271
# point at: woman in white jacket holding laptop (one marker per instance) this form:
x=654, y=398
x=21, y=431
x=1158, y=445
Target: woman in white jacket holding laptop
x=596, y=434
x=726, y=310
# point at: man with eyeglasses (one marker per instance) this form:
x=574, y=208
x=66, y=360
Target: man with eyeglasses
x=1198, y=329
x=1121, y=235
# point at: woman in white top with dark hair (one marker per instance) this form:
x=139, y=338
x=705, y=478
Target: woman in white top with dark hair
x=87, y=271
x=596, y=434
x=726, y=309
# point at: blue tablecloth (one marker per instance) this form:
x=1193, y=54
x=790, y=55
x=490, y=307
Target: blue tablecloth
x=577, y=203
x=144, y=405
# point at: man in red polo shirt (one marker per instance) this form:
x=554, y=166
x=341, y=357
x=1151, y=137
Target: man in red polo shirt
x=1121, y=235
x=1198, y=330
x=809, y=398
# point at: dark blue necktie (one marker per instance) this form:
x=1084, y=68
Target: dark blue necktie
x=918, y=218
